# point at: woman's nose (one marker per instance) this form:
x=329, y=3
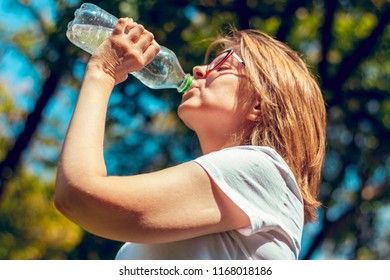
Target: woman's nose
x=199, y=72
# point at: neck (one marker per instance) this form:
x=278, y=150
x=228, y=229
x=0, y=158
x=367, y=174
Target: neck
x=211, y=143
x=212, y=138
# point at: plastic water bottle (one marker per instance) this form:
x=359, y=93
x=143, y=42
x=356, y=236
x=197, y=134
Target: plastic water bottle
x=92, y=25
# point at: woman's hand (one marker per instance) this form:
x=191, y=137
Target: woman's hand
x=128, y=49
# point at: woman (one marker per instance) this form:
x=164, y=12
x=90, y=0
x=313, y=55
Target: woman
x=260, y=119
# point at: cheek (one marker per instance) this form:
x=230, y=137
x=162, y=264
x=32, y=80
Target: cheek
x=218, y=99
x=221, y=99
x=208, y=111
x=210, y=102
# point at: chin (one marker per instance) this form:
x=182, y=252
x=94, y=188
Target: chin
x=182, y=112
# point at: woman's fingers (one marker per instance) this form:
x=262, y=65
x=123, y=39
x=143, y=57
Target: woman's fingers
x=121, y=26
x=135, y=32
x=145, y=40
x=128, y=27
x=130, y=48
x=151, y=51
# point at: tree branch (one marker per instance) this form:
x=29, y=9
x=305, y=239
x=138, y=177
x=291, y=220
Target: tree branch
x=327, y=38
x=245, y=14
x=9, y=164
x=287, y=18
x=367, y=193
x=364, y=48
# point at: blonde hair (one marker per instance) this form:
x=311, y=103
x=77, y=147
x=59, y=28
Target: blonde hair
x=293, y=115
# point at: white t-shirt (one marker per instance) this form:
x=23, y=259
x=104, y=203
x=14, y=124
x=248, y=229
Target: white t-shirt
x=259, y=181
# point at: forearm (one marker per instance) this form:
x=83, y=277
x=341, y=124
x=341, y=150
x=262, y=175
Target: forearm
x=82, y=158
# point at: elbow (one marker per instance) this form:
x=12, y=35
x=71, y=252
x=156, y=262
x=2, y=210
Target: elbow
x=65, y=195
x=61, y=196
x=60, y=204
x=75, y=194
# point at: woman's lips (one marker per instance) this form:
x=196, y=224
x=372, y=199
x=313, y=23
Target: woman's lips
x=188, y=94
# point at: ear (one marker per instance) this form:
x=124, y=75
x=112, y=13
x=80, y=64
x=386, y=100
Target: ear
x=254, y=113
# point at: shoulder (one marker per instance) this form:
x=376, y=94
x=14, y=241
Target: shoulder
x=247, y=151
x=239, y=158
x=260, y=163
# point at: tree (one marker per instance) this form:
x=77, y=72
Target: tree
x=346, y=44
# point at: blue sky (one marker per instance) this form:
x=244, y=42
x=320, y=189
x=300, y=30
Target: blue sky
x=14, y=67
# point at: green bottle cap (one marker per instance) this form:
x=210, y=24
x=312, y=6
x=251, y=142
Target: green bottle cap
x=188, y=81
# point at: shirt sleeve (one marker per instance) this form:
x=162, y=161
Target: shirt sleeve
x=260, y=183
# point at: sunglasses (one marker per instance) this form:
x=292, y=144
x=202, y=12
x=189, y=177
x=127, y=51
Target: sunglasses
x=220, y=60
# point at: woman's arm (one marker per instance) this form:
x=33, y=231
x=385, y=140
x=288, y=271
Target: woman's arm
x=172, y=204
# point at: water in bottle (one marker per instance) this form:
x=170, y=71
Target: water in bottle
x=88, y=37
x=92, y=25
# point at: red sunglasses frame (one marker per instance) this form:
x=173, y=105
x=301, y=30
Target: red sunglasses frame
x=229, y=53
